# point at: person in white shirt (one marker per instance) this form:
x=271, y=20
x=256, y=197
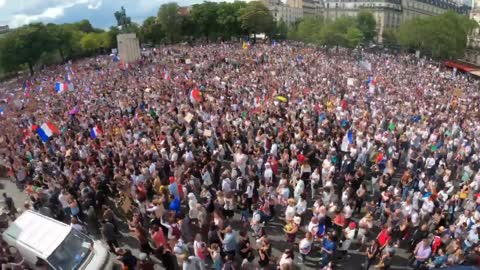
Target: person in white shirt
x=314, y=180
x=299, y=189
x=62, y=198
x=301, y=206
x=152, y=167
x=427, y=208
x=348, y=211
x=226, y=184
x=75, y=225
x=290, y=210
x=305, y=246
x=268, y=174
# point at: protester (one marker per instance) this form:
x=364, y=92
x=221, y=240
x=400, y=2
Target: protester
x=331, y=143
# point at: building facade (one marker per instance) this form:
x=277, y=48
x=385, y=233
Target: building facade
x=390, y=13
x=387, y=13
x=284, y=12
x=4, y=29
x=472, y=54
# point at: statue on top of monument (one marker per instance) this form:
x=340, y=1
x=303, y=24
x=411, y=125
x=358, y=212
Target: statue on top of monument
x=122, y=20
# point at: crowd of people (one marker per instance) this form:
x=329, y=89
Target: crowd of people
x=203, y=150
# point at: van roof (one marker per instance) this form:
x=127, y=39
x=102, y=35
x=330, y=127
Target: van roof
x=38, y=232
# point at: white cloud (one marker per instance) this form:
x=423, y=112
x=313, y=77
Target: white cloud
x=94, y=4
x=50, y=13
x=2, y=3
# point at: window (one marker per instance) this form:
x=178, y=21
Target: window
x=72, y=252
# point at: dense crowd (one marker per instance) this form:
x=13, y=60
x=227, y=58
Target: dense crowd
x=199, y=149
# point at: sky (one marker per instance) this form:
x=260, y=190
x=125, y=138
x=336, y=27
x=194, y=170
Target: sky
x=100, y=12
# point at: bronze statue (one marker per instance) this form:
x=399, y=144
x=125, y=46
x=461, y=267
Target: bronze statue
x=122, y=20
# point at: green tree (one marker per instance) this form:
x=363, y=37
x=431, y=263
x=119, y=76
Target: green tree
x=353, y=37
x=171, y=21
x=8, y=49
x=113, y=33
x=62, y=38
x=228, y=18
x=95, y=41
x=442, y=36
x=84, y=26
x=334, y=33
x=366, y=24
x=410, y=33
x=309, y=28
x=151, y=31
x=389, y=38
x=281, y=30
x=204, y=17
x=25, y=45
x=90, y=42
x=256, y=18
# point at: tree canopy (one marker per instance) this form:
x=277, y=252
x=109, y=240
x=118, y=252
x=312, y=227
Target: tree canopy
x=256, y=18
x=170, y=20
x=443, y=36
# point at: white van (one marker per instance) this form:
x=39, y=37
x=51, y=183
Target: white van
x=40, y=238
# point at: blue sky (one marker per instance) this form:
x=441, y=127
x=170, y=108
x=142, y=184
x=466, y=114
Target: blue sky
x=100, y=12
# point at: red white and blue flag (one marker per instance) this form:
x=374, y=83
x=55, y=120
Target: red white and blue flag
x=95, y=132
x=60, y=87
x=47, y=130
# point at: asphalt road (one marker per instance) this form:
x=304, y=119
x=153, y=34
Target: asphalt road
x=274, y=229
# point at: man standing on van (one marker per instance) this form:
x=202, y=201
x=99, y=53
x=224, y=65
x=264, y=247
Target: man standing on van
x=12, y=210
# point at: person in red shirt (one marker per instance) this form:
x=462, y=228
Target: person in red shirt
x=339, y=222
x=157, y=236
x=383, y=237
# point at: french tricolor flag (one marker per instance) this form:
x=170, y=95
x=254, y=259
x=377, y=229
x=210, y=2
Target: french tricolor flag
x=95, y=132
x=47, y=130
x=60, y=87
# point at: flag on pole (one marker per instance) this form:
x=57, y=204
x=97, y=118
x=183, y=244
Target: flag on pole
x=46, y=131
x=95, y=132
x=371, y=84
x=347, y=140
x=60, y=87
x=195, y=96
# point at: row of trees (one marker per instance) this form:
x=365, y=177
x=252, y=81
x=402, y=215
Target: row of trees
x=443, y=36
x=34, y=43
x=343, y=31
x=40, y=43
x=209, y=21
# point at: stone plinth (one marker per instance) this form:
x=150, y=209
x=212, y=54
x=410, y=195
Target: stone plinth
x=128, y=47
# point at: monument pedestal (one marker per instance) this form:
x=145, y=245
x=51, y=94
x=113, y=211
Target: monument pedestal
x=128, y=47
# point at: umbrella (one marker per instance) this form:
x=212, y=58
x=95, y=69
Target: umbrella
x=281, y=99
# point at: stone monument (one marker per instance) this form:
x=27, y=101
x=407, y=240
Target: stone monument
x=127, y=43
